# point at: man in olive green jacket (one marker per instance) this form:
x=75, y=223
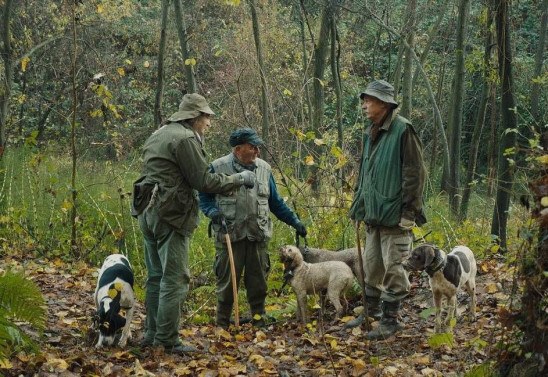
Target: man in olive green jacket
x=388, y=199
x=166, y=203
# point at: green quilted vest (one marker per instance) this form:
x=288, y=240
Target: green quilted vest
x=378, y=197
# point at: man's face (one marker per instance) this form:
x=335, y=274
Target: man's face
x=375, y=109
x=202, y=123
x=247, y=153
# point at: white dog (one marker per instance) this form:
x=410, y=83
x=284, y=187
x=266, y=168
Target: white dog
x=114, y=292
x=447, y=273
x=335, y=277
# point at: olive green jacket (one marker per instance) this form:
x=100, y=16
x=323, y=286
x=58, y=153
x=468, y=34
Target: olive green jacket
x=392, y=176
x=175, y=163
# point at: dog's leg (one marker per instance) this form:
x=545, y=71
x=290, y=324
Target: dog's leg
x=100, y=341
x=333, y=295
x=471, y=289
x=451, y=312
x=302, y=308
x=437, y=304
x=126, y=332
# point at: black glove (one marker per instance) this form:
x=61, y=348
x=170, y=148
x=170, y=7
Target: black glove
x=217, y=217
x=301, y=229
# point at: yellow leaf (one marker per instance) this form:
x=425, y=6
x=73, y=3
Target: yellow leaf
x=319, y=142
x=118, y=286
x=491, y=288
x=24, y=62
x=146, y=64
x=128, y=62
x=96, y=113
x=5, y=364
x=121, y=71
x=495, y=248
x=344, y=75
x=309, y=160
x=544, y=201
x=112, y=293
x=334, y=344
x=287, y=92
x=191, y=62
x=543, y=159
x=100, y=8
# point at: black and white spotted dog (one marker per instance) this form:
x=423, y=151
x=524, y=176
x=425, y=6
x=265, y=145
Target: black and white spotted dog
x=447, y=273
x=114, y=292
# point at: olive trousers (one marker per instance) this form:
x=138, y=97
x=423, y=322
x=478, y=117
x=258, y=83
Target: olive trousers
x=168, y=277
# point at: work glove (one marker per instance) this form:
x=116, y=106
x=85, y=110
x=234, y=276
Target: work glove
x=406, y=224
x=247, y=178
x=217, y=217
x=301, y=229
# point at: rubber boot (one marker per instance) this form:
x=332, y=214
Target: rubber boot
x=389, y=324
x=373, y=310
x=223, y=315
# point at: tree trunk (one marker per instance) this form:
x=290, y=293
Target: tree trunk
x=455, y=120
x=508, y=121
x=183, y=37
x=407, y=84
x=264, y=90
x=335, y=55
x=160, y=84
x=538, y=113
x=480, y=117
x=320, y=56
x=74, y=193
x=5, y=88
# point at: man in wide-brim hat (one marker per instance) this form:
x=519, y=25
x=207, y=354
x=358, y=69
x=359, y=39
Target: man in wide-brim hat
x=388, y=199
x=166, y=204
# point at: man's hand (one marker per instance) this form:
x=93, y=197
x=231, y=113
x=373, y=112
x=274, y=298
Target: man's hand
x=406, y=224
x=217, y=217
x=247, y=178
x=301, y=229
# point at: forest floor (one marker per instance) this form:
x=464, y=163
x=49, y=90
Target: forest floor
x=285, y=348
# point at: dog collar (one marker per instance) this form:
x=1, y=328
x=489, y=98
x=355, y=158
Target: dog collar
x=288, y=275
x=437, y=264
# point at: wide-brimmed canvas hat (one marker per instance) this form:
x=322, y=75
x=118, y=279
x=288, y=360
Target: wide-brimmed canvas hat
x=243, y=136
x=381, y=90
x=190, y=107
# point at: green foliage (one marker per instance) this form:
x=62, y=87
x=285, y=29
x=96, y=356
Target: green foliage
x=20, y=303
x=483, y=370
x=442, y=339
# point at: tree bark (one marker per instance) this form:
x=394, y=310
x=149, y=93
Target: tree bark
x=265, y=124
x=407, y=84
x=480, y=117
x=508, y=121
x=335, y=54
x=455, y=120
x=160, y=83
x=538, y=114
x=5, y=89
x=183, y=37
x=320, y=56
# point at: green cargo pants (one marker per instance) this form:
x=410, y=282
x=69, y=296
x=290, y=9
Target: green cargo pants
x=385, y=250
x=251, y=257
x=166, y=259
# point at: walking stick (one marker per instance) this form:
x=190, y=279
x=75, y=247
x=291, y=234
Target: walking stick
x=232, y=275
x=362, y=278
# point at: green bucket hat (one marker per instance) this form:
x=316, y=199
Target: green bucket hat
x=190, y=107
x=382, y=90
x=245, y=135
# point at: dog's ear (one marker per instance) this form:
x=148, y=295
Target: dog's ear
x=429, y=254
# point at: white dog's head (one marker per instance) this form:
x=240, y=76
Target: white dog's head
x=291, y=257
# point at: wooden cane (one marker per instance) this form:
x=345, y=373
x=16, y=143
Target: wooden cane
x=232, y=276
x=362, y=278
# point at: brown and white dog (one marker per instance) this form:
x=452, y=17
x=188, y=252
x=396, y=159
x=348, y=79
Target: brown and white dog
x=447, y=273
x=113, y=293
x=332, y=277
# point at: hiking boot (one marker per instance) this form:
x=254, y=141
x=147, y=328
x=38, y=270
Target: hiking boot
x=389, y=324
x=373, y=310
x=223, y=315
x=180, y=349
